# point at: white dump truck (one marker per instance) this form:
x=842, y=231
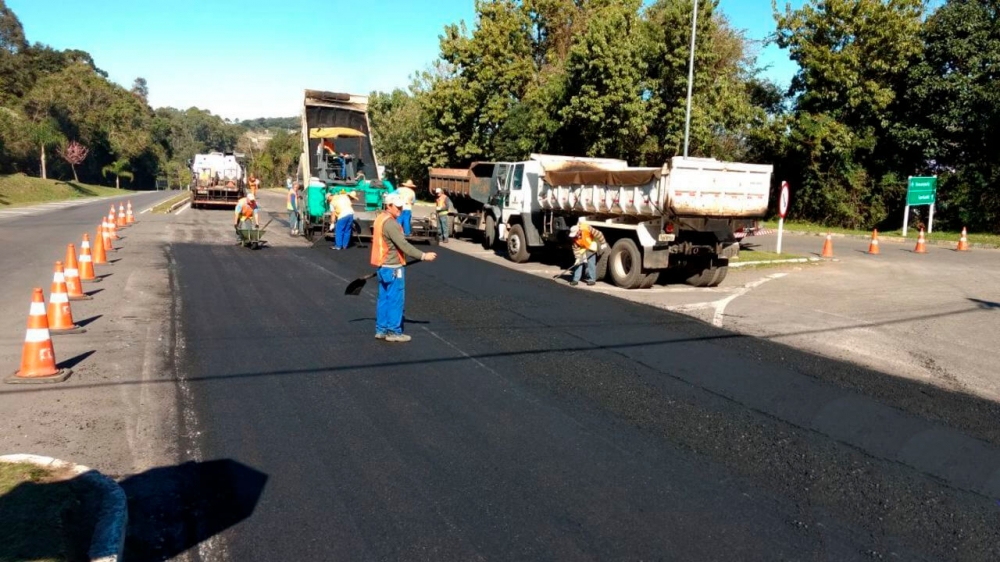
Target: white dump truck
x=679, y=218
x=218, y=179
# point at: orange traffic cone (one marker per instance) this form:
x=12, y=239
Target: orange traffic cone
x=60, y=314
x=121, y=216
x=129, y=217
x=111, y=224
x=828, y=247
x=106, y=237
x=921, y=244
x=963, y=242
x=74, y=288
x=87, y=261
x=101, y=243
x=38, y=358
x=873, y=247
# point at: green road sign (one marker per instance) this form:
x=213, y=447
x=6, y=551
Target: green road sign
x=921, y=191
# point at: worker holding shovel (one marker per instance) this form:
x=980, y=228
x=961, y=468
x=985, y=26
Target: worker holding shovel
x=587, y=244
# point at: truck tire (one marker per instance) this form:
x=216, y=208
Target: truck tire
x=602, y=266
x=649, y=280
x=517, y=245
x=707, y=276
x=625, y=264
x=490, y=233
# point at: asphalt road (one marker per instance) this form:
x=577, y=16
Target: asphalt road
x=527, y=420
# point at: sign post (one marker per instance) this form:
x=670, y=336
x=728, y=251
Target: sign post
x=920, y=191
x=782, y=211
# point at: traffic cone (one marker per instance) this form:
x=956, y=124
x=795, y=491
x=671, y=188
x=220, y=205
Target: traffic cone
x=106, y=237
x=38, y=358
x=74, y=288
x=87, y=261
x=873, y=247
x=129, y=217
x=111, y=225
x=60, y=314
x=921, y=244
x=828, y=247
x=963, y=242
x=100, y=246
x=121, y=216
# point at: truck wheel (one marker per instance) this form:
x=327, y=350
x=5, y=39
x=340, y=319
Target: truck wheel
x=517, y=245
x=490, y=234
x=707, y=276
x=602, y=266
x=625, y=264
x=649, y=280
x=720, y=275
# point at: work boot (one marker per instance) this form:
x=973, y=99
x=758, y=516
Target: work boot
x=400, y=338
x=380, y=336
x=574, y=283
x=590, y=283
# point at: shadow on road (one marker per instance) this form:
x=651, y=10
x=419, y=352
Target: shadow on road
x=172, y=509
x=46, y=520
x=75, y=360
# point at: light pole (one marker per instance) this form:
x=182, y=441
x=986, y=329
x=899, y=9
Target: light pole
x=687, y=119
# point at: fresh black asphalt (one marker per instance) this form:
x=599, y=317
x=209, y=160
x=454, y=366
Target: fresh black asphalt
x=525, y=421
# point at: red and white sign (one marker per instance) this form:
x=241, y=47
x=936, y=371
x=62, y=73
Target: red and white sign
x=783, y=201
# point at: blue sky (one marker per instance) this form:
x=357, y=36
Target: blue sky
x=252, y=58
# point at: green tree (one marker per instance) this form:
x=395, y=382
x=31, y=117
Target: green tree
x=853, y=58
x=118, y=168
x=12, y=46
x=397, y=133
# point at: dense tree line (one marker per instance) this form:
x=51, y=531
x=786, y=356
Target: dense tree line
x=53, y=103
x=885, y=89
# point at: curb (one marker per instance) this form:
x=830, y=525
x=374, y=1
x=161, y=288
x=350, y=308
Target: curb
x=900, y=239
x=179, y=204
x=769, y=262
x=108, y=541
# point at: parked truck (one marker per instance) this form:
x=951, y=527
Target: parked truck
x=679, y=218
x=217, y=179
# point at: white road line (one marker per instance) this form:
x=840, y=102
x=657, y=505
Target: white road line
x=183, y=208
x=719, y=306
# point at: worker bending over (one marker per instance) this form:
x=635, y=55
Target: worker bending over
x=389, y=251
x=444, y=207
x=343, y=209
x=408, y=196
x=246, y=209
x=588, y=242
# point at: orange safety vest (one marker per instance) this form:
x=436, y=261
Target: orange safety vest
x=586, y=238
x=442, y=204
x=247, y=210
x=380, y=249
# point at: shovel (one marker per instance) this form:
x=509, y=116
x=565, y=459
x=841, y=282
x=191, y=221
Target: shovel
x=354, y=287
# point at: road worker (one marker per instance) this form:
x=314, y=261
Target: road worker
x=444, y=207
x=292, y=205
x=588, y=242
x=253, y=184
x=389, y=251
x=343, y=209
x=408, y=196
x=246, y=213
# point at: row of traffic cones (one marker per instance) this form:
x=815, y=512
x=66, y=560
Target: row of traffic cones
x=38, y=360
x=873, y=249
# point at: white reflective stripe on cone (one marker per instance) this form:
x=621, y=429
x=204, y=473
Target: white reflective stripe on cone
x=59, y=277
x=59, y=298
x=37, y=309
x=85, y=257
x=85, y=245
x=37, y=335
x=72, y=273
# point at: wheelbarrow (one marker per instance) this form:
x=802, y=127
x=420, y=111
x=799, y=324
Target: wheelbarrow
x=252, y=238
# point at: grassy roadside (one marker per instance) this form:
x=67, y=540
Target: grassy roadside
x=19, y=190
x=164, y=208
x=992, y=240
x=40, y=511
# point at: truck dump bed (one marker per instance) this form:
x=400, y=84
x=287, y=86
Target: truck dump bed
x=330, y=109
x=699, y=187
x=472, y=183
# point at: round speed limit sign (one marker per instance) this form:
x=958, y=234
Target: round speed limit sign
x=783, y=201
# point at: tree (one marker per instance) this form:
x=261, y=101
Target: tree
x=140, y=89
x=13, y=71
x=397, y=133
x=44, y=134
x=119, y=168
x=74, y=154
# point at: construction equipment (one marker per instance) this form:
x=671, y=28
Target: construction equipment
x=218, y=179
x=253, y=238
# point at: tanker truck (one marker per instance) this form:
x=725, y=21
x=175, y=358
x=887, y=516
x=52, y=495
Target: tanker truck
x=218, y=179
x=679, y=218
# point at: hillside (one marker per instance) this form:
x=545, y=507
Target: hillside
x=19, y=189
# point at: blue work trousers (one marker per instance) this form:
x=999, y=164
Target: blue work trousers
x=391, y=294
x=591, y=265
x=443, y=226
x=404, y=220
x=293, y=220
x=343, y=231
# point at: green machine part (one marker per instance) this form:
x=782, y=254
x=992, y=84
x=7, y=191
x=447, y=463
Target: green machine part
x=316, y=201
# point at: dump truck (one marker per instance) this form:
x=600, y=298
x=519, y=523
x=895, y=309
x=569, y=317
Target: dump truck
x=679, y=218
x=218, y=179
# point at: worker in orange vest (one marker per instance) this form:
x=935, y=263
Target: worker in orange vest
x=444, y=207
x=587, y=243
x=389, y=251
x=246, y=213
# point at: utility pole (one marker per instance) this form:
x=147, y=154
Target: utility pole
x=687, y=120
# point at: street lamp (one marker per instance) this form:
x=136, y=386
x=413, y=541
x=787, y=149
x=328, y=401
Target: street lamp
x=687, y=119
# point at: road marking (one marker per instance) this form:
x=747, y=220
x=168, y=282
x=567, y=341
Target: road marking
x=456, y=348
x=183, y=208
x=719, y=306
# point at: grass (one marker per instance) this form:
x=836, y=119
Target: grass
x=992, y=240
x=756, y=255
x=42, y=515
x=18, y=190
x=164, y=207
